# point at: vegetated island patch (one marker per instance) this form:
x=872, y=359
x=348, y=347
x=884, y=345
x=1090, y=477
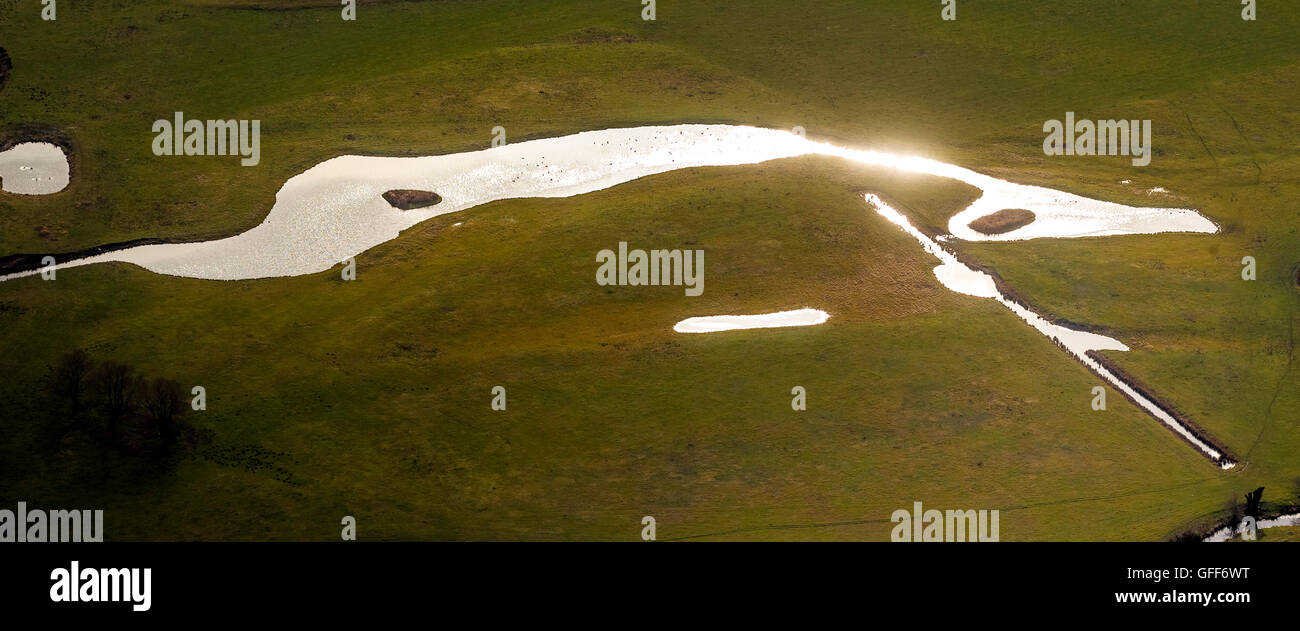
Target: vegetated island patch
x=1004, y=220
x=409, y=199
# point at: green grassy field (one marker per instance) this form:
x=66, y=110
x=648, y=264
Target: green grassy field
x=1291, y=533
x=371, y=398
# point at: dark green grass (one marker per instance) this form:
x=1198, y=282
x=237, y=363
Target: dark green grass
x=377, y=391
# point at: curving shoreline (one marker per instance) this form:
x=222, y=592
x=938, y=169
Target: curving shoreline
x=14, y=264
x=34, y=168
x=334, y=210
x=1082, y=345
x=1010, y=294
x=337, y=209
x=64, y=167
x=1232, y=531
x=1004, y=220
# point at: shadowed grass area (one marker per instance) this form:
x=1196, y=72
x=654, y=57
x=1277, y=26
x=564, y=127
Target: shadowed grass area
x=372, y=397
x=382, y=407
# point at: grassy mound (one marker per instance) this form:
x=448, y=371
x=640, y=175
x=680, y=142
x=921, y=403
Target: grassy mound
x=1004, y=220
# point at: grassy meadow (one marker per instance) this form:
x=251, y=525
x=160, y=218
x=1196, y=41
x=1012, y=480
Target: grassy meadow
x=371, y=397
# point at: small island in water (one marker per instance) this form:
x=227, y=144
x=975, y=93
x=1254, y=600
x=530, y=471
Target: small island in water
x=1004, y=220
x=408, y=199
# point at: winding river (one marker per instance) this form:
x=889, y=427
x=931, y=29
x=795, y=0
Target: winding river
x=1231, y=532
x=334, y=211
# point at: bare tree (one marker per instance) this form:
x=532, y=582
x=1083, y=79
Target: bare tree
x=1252, y=502
x=1234, y=508
x=118, y=386
x=69, y=378
x=164, y=402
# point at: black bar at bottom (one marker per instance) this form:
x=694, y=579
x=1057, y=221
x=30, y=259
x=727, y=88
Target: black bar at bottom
x=207, y=581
